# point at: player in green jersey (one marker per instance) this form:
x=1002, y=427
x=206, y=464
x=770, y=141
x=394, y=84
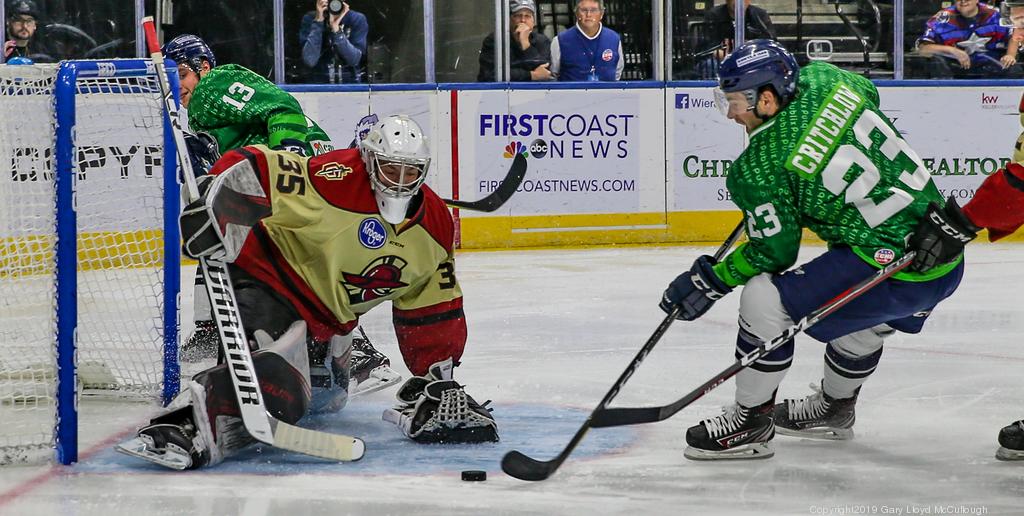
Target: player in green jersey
x=823, y=157
x=237, y=108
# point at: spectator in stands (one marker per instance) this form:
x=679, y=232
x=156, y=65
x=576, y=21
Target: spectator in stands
x=530, y=50
x=720, y=29
x=966, y=40
x=22, y=16
x=588, y=51
x=333, y=38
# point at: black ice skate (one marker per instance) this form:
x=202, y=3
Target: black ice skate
x=1011, y=442
x=174, y=445
x=818, y=416
x=202, y=344
x=370, y=369
x=738, y=433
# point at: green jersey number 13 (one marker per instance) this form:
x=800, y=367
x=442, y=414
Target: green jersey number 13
x=239, y=89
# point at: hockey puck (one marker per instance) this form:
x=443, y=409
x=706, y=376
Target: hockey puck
x=474, y=475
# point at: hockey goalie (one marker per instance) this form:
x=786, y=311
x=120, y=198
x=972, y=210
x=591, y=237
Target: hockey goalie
x=312, y=244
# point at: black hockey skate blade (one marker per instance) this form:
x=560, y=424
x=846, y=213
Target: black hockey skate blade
x=520, y=466
x=474, y=475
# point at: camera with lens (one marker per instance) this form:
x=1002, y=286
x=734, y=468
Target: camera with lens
x=335, y=7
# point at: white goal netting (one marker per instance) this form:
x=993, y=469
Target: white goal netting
x=126, y=322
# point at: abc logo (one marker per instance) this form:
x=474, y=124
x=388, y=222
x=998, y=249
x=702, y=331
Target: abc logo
x=539, y=148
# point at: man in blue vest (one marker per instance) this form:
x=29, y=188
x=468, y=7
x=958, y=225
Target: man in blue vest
x=588, y=51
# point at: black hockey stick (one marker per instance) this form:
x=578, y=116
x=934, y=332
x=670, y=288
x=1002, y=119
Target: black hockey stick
x=518, y=465
x=500, y=195
x=607, y=417
x=258, y=422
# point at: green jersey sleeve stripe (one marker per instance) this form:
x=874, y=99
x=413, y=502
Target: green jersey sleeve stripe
x=735, y=269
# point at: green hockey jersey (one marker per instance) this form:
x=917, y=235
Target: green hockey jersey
x=239, y=107
x=833, y=163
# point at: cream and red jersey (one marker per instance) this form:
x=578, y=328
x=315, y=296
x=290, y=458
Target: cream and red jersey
x=326, y=248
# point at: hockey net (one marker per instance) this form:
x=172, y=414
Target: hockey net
x=112, y=295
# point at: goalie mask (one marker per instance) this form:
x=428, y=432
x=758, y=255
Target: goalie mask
x=397, y=158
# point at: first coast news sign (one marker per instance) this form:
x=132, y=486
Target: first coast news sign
x=646, y=164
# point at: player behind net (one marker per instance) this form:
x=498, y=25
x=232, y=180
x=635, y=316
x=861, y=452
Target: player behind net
x=312, y=244
x=821, y=156
x=230, y=106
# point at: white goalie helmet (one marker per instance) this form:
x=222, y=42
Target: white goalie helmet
x=397, y=157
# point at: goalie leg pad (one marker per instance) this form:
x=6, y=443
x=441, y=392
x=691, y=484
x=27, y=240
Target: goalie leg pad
x=436, y=409
x=203, y=423
x=282, y=367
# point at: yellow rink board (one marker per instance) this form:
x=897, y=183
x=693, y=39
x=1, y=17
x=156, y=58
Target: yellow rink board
x=679, y=228
x=112, y=250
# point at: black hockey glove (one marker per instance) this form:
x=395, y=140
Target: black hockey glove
x=940, y=237
x=201, y=234
x=292, y=145
x=695, y=290
x=203, y=152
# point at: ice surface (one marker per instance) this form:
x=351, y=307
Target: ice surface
x=549, y=331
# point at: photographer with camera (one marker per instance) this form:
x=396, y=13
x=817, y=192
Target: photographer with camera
x=333, y=40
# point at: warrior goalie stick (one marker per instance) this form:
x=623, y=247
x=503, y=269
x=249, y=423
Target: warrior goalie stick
x=499, y=196
x=518, y=465
x=258, y=422
x=606, y=417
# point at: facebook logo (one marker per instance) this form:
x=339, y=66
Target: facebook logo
x=682, y=101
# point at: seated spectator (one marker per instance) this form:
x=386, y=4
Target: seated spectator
x=333, y=40
x=966, y=40
x=530, y=50
x=588, y=51
x=22, y=16
x=720, y=29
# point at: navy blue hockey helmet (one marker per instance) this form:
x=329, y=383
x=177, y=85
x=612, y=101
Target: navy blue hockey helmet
x=760, y=62
x=189, y=50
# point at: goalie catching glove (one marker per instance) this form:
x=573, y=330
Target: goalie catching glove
x=216, y=225
x=436, y=409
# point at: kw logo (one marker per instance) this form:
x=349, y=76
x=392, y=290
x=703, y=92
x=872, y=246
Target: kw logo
x=514, y=148
x=989, y=99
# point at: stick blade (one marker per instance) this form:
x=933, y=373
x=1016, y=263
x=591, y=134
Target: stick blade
x=517, y=465
x=502, y=194
x=625, y=416
x=324, y=445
